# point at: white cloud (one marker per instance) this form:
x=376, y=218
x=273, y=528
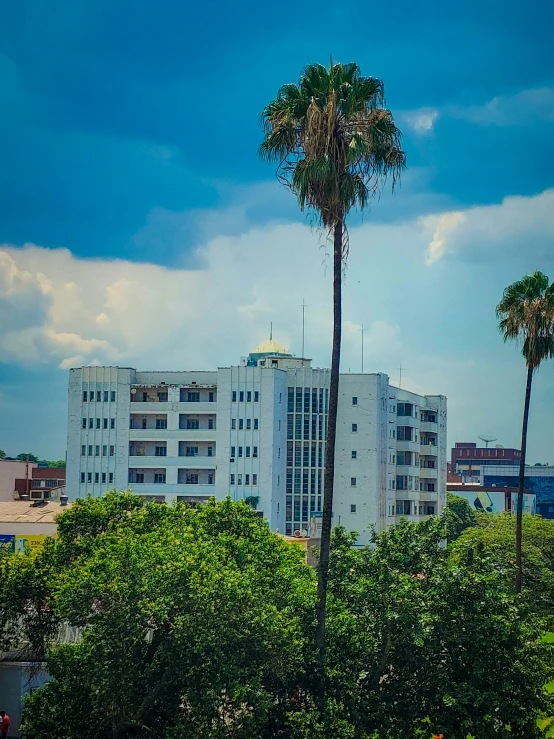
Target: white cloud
x=524, y=108
x=441, y=226
x=422, y=121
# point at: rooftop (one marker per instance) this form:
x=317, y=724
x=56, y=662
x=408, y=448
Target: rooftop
x=22, y=511
x=270, y=347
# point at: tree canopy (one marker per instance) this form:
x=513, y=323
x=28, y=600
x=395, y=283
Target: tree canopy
x=200, y=623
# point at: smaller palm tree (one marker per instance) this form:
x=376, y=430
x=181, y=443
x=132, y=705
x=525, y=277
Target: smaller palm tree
x=526, y=314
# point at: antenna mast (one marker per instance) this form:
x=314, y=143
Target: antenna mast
x=362, y=348
x=271, y=331
x=487, y=438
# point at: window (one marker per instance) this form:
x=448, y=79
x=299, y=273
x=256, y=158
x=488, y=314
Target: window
x=193, y=423
x=247, y=451
x=403, y=507
x=241, y=423
x=256, y=424
x=97, y=450
x=91, y=423
x=257, y=396
x=247, y=479
x=112, y=396
x=353, y=508
x=192, y=478
x=82, y=477
x=191, y=451
x=241, y=396
x=105, y=423
x=232, y=451
x=354, y=428
x=143, y=423
x=431, y=487
x=262, y=362
x=428, y=510
x=274, y=363
x=234, y=396
x=97, y=423
x=103, y=478
x=255, y=480
x=96, y=477
x=354, y=455
x=248, y=423
x=161, y=451
x=112, y=451
x=193, y=397
x=84, y=425
x=112, y=423
x=210, y=451
x=354, y=400
x=255, y=451
x=104, y=451
x=211, y=396
x=90, y=450
x=161, y=423
x=162, y=397
x=84, y=396
x=91, y=396
x=110, y=477
x=89, y=476
x=233, y=423
x=232, y=479
x=240, y=451
x=159, y=477
x=106, y=396
x=249, y=396
x=404, y=409
x=353, y=482
x=239, y=479
x=405, y=433
x=83, y=451
x=210, y=423
x=279, y=453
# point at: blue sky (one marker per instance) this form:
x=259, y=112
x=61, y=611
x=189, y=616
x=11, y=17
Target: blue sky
x=137, y=219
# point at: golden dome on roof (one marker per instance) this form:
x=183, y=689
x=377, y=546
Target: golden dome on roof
x=270, y=347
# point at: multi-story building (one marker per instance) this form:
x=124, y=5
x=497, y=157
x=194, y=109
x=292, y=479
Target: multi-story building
x=257, y=431
x=468, y=460
x=539, y=480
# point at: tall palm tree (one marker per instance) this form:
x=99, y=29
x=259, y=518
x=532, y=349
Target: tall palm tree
x=335, y=144
x=526, y=314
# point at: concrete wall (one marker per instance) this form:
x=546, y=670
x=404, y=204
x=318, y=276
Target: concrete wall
x=18, y=679
x=9, y=471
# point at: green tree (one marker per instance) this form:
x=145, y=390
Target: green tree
x=495, y=534
x=23, y=457
x=420, y=640
x=458, y=516
x=193, y=623
x=526, y=314
x=2, y=454
x=335, y=144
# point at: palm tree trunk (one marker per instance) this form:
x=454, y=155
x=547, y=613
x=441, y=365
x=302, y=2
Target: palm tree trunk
x=323, y=567
x=519, y=519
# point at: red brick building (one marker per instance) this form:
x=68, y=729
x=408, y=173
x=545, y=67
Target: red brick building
x=41, y=481
x=468, y=460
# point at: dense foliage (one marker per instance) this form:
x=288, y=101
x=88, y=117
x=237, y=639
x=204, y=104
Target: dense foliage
x=458, y=516
x=199, y=623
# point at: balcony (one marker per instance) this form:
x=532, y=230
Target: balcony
x=148, y=449
x=194, y=396
x=429, y=426
x=407, y=446
x=197, y=422
x=193, y=449
x=146, y=476
x=428, y=473
x=143, y=394
x=157, y=422
x=429, y=450
x=196, y=476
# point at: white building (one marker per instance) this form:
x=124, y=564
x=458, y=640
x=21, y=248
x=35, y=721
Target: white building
x=257, y=431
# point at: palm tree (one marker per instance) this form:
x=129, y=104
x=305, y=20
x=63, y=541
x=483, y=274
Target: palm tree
x=526, y=314
x=335, y=144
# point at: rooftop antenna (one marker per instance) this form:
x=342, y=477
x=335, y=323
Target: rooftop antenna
x=487, y=438
x=304, y=306
x=271, y=331
x=362, y=348
x=400, y=376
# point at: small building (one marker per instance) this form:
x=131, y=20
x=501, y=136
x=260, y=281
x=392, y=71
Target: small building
x=469, y=460
x=40, y=484
x=10, y=470
x=27, y=524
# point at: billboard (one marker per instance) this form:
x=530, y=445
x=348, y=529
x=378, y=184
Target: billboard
x=529, y=503
x=7, y=541
x=29, y=541
x=480, y=501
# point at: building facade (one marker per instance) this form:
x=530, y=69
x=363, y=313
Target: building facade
x=469, y=460
x=257, y=431
x=539, y=480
